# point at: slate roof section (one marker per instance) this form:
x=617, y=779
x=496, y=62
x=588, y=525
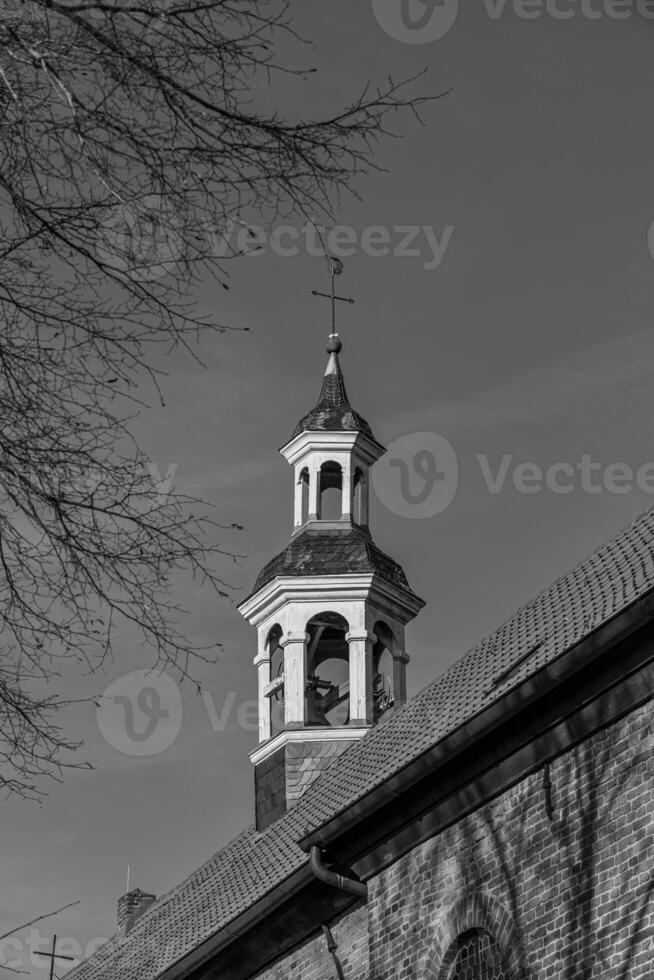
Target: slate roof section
x=333, y=551
x=243, y=872
x=333, y=412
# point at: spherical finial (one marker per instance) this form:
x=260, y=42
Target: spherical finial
x=334, y=344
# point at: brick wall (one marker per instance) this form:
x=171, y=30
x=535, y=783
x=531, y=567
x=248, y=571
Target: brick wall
x=561, y=877
x=313, y=960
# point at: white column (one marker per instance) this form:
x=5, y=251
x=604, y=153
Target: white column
x=360, y=647
x=346, y=488
x=262, y=663
x=314, y=488
x=365, y=502
x=297, y=518
x=400, y=660
x=295, y=676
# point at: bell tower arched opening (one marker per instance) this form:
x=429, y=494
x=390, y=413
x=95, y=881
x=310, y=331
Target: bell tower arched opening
x=327, y=687
x=330, y=492
x=275, y=653
x=383, y=683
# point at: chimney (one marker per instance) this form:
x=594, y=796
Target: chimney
x=130, y=907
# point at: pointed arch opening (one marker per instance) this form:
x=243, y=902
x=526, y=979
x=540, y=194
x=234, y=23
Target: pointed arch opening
x=328, y=686
x=330, y=491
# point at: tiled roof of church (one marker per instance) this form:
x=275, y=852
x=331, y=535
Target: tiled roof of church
x=244, y=871
x=332, y=551
x=333, y=412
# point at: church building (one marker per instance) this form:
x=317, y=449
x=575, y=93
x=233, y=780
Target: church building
x=497, y=826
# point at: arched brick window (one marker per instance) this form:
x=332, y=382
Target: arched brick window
x=474, y=955
x=475, y=939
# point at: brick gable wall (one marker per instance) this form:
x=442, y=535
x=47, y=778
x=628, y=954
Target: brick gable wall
x=560, y=870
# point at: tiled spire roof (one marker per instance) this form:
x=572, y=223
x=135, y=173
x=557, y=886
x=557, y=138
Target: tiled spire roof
x=333, y=412
x=332, y=552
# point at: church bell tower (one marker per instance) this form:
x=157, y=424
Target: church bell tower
x=330, y=610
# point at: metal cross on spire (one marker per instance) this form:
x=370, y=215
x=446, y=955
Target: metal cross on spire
x=335, y=267
x=54, y=955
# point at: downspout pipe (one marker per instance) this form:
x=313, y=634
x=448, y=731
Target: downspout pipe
x=333, y=949
x=351, y=885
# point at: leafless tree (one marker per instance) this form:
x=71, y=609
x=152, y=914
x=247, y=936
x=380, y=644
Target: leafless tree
x=133, y=134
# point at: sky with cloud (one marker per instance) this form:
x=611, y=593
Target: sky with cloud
x=532, y=339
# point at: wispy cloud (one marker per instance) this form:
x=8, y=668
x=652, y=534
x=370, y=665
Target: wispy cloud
x=623, y=365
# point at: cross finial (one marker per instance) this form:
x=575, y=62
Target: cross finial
x=335, y=267
x=54, y=955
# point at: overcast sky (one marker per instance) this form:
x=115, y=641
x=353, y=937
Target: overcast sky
x=520, y=333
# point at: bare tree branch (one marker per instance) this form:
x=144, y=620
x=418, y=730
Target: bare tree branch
x=134, y=135
x=39, y=918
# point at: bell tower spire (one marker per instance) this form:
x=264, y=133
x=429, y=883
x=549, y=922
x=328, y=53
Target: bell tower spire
x=330, y=610
x=332, y=449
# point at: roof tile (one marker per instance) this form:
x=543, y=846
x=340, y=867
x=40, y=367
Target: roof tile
x=333, y=412
x=332, y=551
